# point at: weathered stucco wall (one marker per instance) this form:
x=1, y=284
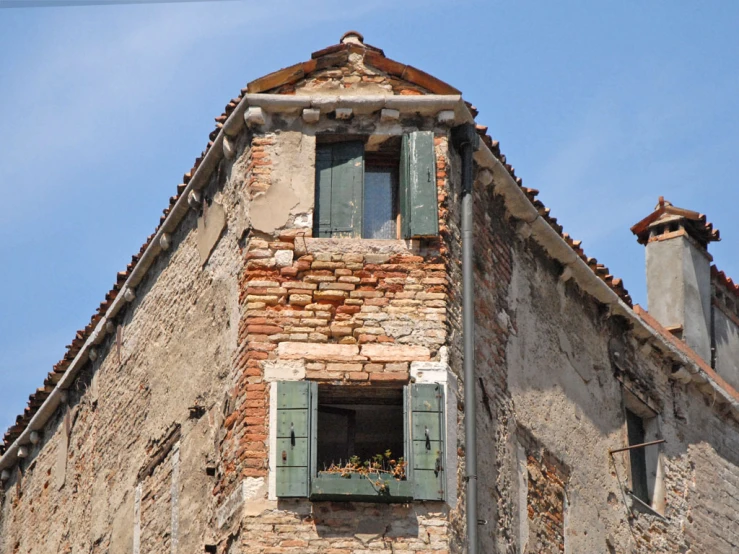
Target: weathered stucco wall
x=565, y=362
x=550, y=364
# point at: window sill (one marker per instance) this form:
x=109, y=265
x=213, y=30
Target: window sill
x=351, y=245
x=359, y=488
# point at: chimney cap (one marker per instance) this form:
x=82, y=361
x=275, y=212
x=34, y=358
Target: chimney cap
x=352, y=37
x=694, y=223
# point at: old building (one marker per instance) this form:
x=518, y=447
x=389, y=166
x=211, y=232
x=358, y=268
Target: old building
x=281, y=368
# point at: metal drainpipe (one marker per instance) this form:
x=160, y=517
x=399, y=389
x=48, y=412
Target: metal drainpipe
x=466, y=141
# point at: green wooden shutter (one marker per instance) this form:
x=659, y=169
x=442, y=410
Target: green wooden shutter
x=322, y=211
x=347, y=189
x=339, y=189
x=419, y=207
x=294, y=431
x=427, y=437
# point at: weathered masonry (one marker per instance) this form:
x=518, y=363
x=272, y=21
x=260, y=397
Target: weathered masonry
x=280, y=368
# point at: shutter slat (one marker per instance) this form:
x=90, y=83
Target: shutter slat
x=427, y=437
x=418, y=194
x=293, y=438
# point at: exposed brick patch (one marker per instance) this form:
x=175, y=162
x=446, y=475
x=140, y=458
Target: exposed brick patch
x=545, y=503
x=156, y=509
x=258, y=165
x=347, y=528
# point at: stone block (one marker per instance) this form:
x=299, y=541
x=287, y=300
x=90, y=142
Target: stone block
x=283, y=258
x=311, y=115
x=445, y=117
x=336, y=286
x=340, y=331
x=300, y=299
x=322, y=352
x=395, y=353
x=330, y=294
x=267, y=299
x=254, y=116
x=283, y=370
x=388, y=115
x=299, y=285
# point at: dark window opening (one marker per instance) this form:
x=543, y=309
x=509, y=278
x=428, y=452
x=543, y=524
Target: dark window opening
x=358, y=421
x=636, y=435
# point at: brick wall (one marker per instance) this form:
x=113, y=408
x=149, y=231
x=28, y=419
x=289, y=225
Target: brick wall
x=155, y=504
x=344, y=312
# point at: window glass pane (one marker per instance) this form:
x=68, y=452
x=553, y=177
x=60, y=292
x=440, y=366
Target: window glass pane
x=379, y=204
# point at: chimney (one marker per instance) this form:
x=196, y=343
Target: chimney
x=679, y=272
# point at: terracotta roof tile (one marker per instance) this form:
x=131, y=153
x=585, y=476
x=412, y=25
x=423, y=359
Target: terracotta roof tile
x=724, y=280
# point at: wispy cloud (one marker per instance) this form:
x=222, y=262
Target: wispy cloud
x=80, y=81
x=84, y=76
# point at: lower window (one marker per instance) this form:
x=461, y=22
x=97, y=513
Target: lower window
x=365, y=443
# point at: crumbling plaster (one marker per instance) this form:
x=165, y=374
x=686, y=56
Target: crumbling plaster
x=544, y=359
x=289, y=199
x=291, y=192
x=564, y=394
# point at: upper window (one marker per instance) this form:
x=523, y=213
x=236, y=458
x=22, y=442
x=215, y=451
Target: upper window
x=379, y=188
x=360, y=443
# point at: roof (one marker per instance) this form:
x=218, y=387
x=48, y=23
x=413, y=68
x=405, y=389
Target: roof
x=724, y=280
x=687, y=351
x=282, y=81
x=694, y=222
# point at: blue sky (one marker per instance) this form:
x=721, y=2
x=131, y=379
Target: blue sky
x=601, y=106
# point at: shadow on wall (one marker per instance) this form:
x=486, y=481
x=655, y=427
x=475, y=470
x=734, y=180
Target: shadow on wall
x=365, y=521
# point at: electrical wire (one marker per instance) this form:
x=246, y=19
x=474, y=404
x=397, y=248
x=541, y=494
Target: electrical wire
x=5, y=4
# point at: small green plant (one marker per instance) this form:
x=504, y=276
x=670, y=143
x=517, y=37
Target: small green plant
x=382, y=464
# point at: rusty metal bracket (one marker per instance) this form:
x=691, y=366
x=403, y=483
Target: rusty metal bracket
x=632, y=447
